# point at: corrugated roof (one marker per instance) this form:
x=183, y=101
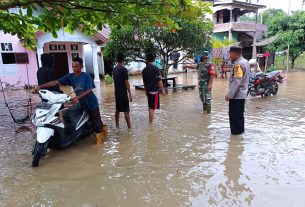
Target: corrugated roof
x=222, y=2
x=267, y=41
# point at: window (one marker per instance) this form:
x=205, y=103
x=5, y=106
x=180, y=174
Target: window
x=6, y=47
x=74, y=55
x=14, y=58
x=74, y=47
x=52, y=47
x=21, y=58
x=8, y=58
x=62, y=47
x=57, y=47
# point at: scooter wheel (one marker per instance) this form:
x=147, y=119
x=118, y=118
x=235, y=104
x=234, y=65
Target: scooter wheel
x=275, y=89
x=37, y=154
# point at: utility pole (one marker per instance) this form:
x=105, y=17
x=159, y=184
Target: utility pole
x=287, y=61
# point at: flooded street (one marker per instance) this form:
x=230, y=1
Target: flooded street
x=187, y=158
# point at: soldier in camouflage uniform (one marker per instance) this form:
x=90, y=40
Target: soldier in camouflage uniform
x=205, y=80
x=237, y=91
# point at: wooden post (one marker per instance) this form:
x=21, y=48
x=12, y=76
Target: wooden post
x=254, y=39
x=287, y=68
x=266, y=63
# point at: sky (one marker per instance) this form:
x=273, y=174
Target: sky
x=282, y=4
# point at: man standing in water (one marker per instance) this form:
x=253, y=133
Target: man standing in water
x=82, y=85
x=121, y=87
x=237, y=91
x=205, y=80
x=152, y=84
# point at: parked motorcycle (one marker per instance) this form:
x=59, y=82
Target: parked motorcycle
x=264, y=84
x=52, y=132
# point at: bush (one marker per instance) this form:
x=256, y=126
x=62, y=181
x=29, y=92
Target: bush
x=108, y=79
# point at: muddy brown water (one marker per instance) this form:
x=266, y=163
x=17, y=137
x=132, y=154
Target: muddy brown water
x=187, y=158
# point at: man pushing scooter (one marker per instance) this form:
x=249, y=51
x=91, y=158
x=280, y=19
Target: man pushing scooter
x=82, y=85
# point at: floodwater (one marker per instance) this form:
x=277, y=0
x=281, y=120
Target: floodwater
x=187, y=158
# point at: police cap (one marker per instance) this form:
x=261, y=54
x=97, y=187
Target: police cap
x=236, y=49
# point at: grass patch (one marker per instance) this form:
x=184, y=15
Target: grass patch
x=280, y=62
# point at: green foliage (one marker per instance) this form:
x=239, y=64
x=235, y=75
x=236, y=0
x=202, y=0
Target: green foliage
x=189, y=37
x=108, y=79
x=270, y=15
x=248, y=17
x=29, y=16
x=290, y=31
x=218, y=46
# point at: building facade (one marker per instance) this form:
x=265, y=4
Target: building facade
x=228, y=24
x=18, y=64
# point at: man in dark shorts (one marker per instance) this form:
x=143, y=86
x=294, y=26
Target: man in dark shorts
x=121, y=87
x=152, y=84
x=82, y=85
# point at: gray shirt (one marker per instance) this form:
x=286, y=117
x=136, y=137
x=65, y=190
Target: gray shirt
x=239, y=80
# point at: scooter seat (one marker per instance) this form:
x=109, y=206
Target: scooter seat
x=272, y=74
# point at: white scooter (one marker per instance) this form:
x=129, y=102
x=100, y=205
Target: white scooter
x=52, y=132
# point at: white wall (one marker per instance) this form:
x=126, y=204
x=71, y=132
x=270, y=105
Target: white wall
x=89, y=61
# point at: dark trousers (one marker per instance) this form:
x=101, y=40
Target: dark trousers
x=236, y=115
x=95, y=116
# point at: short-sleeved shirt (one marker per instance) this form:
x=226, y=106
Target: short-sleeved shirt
x=205, y=71
x=151, y=76
x=239, y=80
x=120, y=75
x=80, y=84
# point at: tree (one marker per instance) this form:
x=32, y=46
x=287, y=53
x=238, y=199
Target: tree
x=189, y=38
x=218, y=46
x=290, y=31
x=269, y=15
x=25, y=17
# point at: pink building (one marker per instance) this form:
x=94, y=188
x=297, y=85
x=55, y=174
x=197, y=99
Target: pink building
x=20, y=64
x=16, y=62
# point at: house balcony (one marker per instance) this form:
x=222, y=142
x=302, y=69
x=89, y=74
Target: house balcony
x=240, y=27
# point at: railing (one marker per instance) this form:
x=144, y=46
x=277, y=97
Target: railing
x=240, y=27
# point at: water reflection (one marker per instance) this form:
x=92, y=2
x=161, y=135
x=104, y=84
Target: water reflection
x=235, y=191
x=187, y=158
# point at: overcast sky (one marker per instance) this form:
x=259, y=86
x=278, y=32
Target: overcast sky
x=282, y=4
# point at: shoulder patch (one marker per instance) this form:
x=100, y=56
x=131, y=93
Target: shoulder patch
x=238, y=72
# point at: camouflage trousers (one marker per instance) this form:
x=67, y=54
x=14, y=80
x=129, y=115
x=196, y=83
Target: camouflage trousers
x=204, y=93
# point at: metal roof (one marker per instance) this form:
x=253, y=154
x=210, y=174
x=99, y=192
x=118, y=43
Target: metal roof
x=267, y=41
x=240, y=3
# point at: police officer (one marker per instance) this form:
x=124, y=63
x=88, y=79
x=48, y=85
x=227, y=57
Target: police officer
x=237, y=91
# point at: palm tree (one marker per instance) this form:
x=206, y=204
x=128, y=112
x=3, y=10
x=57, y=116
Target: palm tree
x=218, y=50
